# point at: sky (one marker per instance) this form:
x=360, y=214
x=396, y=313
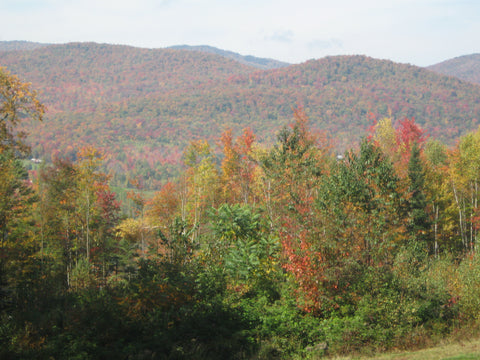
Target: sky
x=418, y=32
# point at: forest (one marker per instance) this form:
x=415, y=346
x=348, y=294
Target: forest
x=142, y=107
x=281, y=251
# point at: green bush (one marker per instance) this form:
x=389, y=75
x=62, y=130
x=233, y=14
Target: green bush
x=468, y=287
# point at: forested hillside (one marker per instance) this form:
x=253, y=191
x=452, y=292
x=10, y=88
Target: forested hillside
x=463, y=67
x=20, y=45
x=277, y=251
x=143, y=107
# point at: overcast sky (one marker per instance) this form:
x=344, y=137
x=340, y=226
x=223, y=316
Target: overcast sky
x=420, y=32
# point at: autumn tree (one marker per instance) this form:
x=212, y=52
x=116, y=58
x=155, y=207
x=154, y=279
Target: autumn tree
x=384, y=135
x=397, y=140
x=89, y=179
x=60, y=225
x=464, y=176
x=18, y=101
x=78, y=215
x=362, y=222
x=439, y=196
x=164, y=207
x=237, y=167
x=296, y=165
x=200, y=182
x=163, y=215
x=104, y=246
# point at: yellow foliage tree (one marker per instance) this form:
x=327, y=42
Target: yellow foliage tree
x=17, y=102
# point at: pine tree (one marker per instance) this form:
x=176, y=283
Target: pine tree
x=419, y=223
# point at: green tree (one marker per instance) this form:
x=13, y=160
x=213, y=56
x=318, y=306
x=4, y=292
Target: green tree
x=18, y=266
x=248, y=252
x=201, y=183
x=17, y=240
x=439, y=196
x=296, y=166
x=60, y=223
x=362, y=213
x=17, y=102
x=464, y=176
x=78, y=215
x=418, y=224
x=89, y=180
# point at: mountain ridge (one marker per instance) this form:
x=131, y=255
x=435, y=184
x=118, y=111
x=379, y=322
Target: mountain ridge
x=456, y=67
x=261, y=63
x=20, y=45
x=143, y=106
x=466, y=67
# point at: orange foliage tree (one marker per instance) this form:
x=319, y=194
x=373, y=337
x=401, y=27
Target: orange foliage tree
x=237, y=167
x=296, y=165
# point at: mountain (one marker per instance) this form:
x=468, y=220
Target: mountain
x=124, y=100
x=463, y=67
x=260, y=63
x=143, y=106
x=20, y=45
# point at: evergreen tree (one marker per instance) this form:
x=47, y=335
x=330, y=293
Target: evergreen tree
x=418, y=224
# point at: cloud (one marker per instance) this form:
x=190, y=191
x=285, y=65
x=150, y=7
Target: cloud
x=284, y=36
x=400, y=30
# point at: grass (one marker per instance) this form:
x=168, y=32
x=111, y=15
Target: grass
x=460, y=350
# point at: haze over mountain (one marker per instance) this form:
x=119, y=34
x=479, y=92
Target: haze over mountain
x=20, y=45
x=261, y=63
x=465, y=67
x=143, y=106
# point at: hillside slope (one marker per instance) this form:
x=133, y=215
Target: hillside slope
x=20, y=45
x=144, y=106
x=463, y=67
